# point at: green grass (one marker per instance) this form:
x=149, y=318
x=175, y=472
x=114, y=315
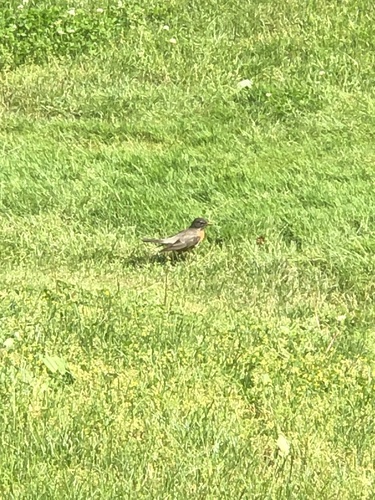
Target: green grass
x=181, y=376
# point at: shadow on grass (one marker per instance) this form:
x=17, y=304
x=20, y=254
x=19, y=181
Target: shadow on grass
x=141, y=260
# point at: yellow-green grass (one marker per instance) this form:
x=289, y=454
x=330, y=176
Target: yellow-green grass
x=242, y=370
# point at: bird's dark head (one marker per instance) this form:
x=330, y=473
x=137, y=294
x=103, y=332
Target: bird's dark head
x=200, y=223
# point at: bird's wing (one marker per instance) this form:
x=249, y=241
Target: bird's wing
x=182, y=244
x=162, y=241
x=170, y=240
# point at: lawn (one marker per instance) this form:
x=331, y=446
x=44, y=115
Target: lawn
x=246, y=369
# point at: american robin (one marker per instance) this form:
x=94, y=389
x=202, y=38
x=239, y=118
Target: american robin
x=184, y=240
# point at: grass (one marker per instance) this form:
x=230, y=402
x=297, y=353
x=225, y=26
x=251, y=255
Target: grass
x=244, y=370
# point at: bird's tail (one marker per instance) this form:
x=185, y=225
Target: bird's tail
x=151, y=240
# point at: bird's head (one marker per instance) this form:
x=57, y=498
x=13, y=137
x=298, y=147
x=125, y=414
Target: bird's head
x=200, y=223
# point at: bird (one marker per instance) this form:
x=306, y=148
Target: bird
x=184, y=240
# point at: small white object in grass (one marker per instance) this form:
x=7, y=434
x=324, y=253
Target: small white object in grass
x=72, y=12
x=284, y=446
x=266, y=379
x=341, y=318
x=322, y=72
x=216, y=447
x=245, y=84
x=20, y=7
x=173, y=40
x=25, y=2
x=60, y=31
x=8, y=343
x=268, y=94
x=200, y=339
x=119, y=4
x=100, y=10
x=166, y=27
